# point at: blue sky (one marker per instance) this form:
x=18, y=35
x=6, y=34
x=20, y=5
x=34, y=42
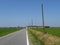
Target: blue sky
x=21, y=12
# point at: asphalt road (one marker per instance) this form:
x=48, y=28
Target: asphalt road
x=16, y=38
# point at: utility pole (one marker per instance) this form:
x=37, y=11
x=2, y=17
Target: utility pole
x=43, y=18
x=31, y=22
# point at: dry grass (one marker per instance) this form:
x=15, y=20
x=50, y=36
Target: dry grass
x=32, y=39
x=48, y=39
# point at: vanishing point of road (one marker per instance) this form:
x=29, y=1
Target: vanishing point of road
x=16, y=38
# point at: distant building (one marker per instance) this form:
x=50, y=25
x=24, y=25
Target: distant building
x=29, y=27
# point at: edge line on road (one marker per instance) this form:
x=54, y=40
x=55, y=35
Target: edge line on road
x=27, y=37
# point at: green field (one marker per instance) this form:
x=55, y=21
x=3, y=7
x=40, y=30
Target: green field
x=5, y=31
x=53, y=31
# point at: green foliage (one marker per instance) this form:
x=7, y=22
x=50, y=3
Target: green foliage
x=33, y=39
x=53, y=31
x=5, y=31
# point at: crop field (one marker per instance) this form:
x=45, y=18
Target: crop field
x=53, y=31
x=5, y=31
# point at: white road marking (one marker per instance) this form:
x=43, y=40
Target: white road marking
x=27, y=37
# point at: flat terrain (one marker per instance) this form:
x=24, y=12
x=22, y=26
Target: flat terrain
x=5, y=31
x=53, y=31
x=16, y=38
x=52, y=37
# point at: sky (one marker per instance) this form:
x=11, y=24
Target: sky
x=15, y=13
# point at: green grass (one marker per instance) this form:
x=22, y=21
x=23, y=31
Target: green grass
x=53, y=31
x=33, y=39
x=5, y=31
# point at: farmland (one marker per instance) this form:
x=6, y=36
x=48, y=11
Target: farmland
x=5, y=31
x=53, y=31
x=52, y=37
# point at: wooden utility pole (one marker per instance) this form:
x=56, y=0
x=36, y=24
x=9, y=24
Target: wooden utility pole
x=43, y=18
x=32, y=22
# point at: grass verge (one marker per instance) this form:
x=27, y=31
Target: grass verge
x=47, y=39
x=33, y=39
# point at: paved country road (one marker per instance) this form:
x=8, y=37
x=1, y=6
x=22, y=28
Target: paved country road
x=16, y=38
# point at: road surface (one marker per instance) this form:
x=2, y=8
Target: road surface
x=16, y=38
